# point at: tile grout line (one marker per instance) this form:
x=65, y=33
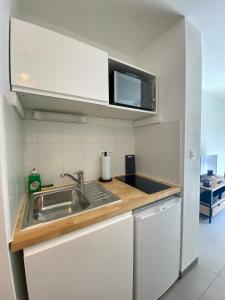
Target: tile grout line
x=218, y=275
x=207, y=287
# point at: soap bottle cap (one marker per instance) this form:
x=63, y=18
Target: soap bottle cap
x=34, y=171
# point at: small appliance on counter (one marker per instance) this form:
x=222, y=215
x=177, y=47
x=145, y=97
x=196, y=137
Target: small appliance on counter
x=106, y=166
x=130, y=166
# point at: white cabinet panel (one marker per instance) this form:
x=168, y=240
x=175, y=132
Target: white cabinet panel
x=94, y=263
x=49, y=63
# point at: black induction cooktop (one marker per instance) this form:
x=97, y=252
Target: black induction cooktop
x=144, y=184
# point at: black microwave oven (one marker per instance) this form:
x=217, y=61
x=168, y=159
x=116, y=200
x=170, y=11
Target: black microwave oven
x=131, y=91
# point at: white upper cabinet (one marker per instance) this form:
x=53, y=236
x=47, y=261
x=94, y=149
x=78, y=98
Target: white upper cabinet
x=48, y=63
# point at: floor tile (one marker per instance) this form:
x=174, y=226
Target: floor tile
x=216, y=291
x=206, y=281
x=211, y=255
x=195, y=282
x=222, y=273
x=174, y=294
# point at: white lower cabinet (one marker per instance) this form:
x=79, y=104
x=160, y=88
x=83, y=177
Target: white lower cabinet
x=92, y=263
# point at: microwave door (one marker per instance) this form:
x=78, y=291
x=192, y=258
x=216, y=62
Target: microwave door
x=147, y=96
x=127, y=90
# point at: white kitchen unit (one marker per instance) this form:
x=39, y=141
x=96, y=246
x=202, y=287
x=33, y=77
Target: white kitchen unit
x=157, y=243
x=48, y=63
x=95, y=262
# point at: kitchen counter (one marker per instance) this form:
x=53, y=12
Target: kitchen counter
x=130, y=197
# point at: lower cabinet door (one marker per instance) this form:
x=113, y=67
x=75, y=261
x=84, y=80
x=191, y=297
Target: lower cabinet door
x=93, y=263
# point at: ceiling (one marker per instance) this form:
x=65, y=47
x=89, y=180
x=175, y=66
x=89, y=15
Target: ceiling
x=117, y=24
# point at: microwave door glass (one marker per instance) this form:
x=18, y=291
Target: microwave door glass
x=147, y=96
x=127, y=90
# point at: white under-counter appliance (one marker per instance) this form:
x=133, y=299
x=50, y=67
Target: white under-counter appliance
x=157, y=233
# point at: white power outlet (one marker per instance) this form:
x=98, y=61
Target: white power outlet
x=101, y=152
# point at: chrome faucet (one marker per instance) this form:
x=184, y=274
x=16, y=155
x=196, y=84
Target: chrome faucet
x=79, y=179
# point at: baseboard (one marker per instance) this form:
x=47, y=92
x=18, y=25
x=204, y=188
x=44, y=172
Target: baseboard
x=188, y=268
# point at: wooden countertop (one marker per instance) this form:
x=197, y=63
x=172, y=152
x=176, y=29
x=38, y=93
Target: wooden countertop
x=130, y=197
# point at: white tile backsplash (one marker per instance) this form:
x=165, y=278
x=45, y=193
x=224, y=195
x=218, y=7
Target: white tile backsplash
x=54, y=147
x=107, y=134
x=50, y=154
x=30, y=155
x=91, y=152
x=72, y=133
x=49, y=132
x=73, y=153
x=51, y=174
x=92, y=133
x=30, y=131
x=158, y=150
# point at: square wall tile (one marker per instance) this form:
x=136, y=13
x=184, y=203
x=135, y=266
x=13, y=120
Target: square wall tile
x=91, y=133
x=123, y=148
x=91, y=171
x=73, y=153
x=124, y=134
x=72, y=133
x=91, y=152
x=30, y=131
x=51, y=174
x=107, y=133
x=107, y=146
x=49, y=132
x=117, y=166
x=30, y=155
x=50, y=154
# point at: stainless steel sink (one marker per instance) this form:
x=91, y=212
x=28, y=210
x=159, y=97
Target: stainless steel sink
x=64, y=201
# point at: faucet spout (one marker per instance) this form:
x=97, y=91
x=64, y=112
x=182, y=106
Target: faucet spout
x=70, y=176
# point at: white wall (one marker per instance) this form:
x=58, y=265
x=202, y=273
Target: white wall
x=212, y=128
x=6, y=282
x=192, y=143
x=14, y=154
x=166, y=58
x=54, y=147
x=176, y=58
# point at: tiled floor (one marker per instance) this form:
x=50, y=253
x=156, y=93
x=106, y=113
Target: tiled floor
x=207, y=280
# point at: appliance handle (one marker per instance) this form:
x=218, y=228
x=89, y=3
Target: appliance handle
x=156, y=210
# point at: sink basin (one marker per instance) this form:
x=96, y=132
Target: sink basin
x=55, y=199
x=64, y=201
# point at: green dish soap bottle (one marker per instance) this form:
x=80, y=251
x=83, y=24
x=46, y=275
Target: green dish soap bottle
x=34, y=182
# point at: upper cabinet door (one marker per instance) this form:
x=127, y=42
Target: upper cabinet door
x=49, y=63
